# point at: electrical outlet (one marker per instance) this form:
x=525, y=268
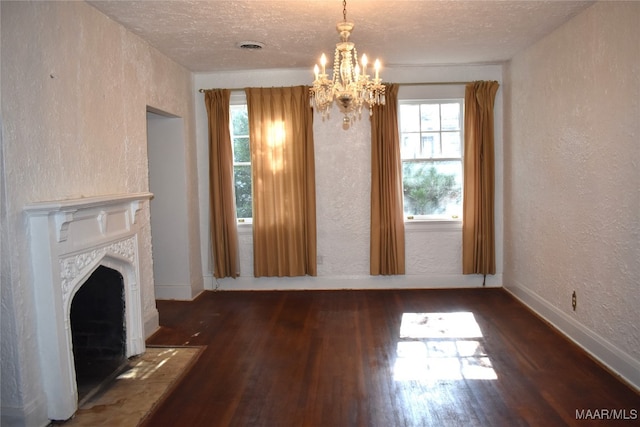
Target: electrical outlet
x=574, y=300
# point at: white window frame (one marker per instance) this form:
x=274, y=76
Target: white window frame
x=436, y=222
x=238, y=98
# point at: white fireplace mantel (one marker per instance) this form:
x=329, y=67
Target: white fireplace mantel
x=69, y=240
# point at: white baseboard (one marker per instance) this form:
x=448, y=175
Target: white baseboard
x=452, y=281
x=177, y=292
x=615, y=359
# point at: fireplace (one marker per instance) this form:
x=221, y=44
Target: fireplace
x=81, y=247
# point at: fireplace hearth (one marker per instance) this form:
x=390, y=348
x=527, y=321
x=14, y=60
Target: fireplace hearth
x=84, y=257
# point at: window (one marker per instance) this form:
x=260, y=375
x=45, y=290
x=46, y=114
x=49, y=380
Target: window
x=239, y=128
x=431, y=150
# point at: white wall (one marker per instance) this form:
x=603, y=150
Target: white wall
x=75, y=89
x=572, y=174
x=343, y=174
x=169, y=215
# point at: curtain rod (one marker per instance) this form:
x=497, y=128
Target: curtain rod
x=399, y=84
x=434, y=84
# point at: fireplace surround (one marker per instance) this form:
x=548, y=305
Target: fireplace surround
x=69, y=240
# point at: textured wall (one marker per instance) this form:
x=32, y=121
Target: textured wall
x=343, y=194
x=75, y=89
x=572, y=168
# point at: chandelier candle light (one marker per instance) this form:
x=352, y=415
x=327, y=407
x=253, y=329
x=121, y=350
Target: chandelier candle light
x=350, y=86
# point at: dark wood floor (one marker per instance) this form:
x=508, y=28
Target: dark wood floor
x=340, y=358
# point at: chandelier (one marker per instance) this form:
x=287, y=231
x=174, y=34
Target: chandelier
x=350, y=85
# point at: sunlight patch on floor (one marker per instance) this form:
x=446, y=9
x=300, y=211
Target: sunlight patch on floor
x=441, y=346
x=144, y=370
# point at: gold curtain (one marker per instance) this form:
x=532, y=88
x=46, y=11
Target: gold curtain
x=222, y=205
x=387, y=222
x=478, y=240
x=283, y=173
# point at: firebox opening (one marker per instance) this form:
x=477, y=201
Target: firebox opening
x=98, y=330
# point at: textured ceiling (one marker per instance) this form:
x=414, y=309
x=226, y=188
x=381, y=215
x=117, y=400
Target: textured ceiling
x=203, y=36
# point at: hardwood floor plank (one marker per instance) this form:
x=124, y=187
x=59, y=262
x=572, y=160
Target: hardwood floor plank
x=473, y=357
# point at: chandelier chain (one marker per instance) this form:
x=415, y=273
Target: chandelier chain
x=344, y=10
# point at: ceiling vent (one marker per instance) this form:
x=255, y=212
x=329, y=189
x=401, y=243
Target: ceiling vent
x=250, y=45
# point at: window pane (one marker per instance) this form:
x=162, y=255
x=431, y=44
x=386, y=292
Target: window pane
x=430, y=145
x=242, y=178
x=451, y=144
x=410, y=148
x=241, y=152
x=430, y=117
x=450, y=116
x=239, y=120
x=409, y=118
x=433, y=188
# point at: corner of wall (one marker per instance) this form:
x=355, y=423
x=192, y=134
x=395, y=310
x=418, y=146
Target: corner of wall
x=151, y=323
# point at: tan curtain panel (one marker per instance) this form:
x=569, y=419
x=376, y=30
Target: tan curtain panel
x=222, y=205
x=387, y=221
x=478, y=239
x=283, y=174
